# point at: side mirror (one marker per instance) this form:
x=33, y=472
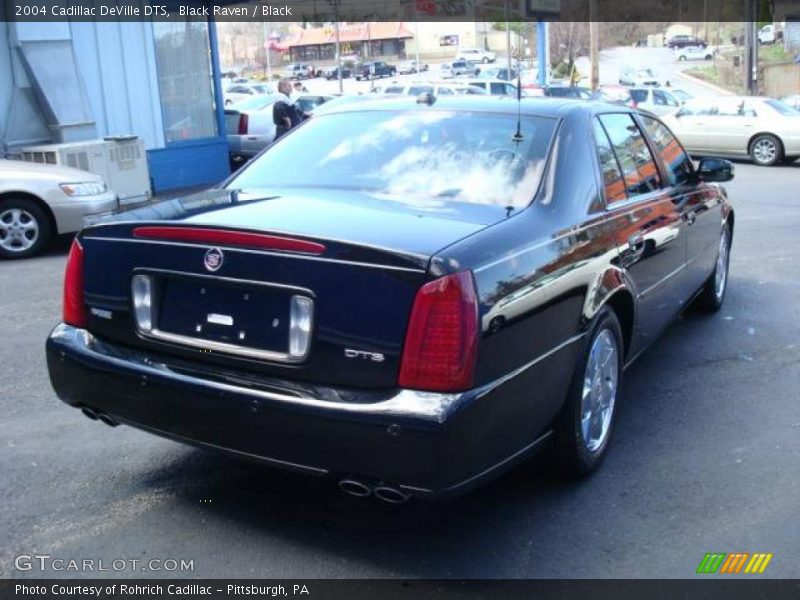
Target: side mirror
x=715, y=169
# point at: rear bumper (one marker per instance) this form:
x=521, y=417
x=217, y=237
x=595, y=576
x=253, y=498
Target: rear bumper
x=434, y=445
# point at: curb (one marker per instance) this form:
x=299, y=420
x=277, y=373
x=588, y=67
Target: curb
x=715, y=88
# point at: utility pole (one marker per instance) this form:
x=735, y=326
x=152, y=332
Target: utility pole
x=594, y=45
x=541, y=51
x=338, y=46
x=416, y=41
x=751, y=48
x=508, y=38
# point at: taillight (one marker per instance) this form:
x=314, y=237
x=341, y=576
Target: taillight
x=74, y=312
x=442, y=337
x=243, y=124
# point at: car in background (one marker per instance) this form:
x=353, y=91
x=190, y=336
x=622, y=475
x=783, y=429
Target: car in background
x=693, y=53
x=493, y=87
x=658, y=101
x=333, y=73
x=298, y=71
x=458, y=68
x=501, y=73
x=40, y=201
x=614, y=94
x=765, y=129
x=681, y=95
x=411, y=66
x=407, y=299
x=476, y=55
x=436, y=88
x=242, y=91
x=250, y=128
x=374, y=70
x=793, y=101
x=683, y=41
x=638, y=76
x=568, y=91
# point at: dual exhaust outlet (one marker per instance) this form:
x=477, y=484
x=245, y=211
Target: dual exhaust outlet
x=98, y=416
x=382, y=491
x=387, y=492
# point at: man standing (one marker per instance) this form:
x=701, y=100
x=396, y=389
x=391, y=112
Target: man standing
x=284, y=113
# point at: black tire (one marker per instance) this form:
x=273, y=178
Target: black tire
x=711, y=298
x=759, y=152
x=30, y=212
x=681, y=57
x=485, y=60
x=574, y=456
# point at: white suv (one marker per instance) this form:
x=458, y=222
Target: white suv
x=476, y=55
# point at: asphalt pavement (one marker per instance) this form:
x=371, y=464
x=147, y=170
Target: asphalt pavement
x=705, y=458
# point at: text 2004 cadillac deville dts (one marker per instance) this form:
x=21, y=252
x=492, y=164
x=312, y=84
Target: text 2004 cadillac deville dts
x=409, y=296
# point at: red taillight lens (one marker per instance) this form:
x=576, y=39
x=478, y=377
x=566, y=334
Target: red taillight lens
x=243, y=124
x=442, y=337
x=74, y=313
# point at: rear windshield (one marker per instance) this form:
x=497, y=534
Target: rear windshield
x=410, y=156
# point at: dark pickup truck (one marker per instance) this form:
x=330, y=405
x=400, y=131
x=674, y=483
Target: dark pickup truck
x=682, y=41
x=373, y=70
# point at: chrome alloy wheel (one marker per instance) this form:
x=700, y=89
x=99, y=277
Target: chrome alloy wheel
x=765, y=151
x=19, y=230
x=721, y=271
x=599, y=390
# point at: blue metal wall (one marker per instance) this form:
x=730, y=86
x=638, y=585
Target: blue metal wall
x=118, y=66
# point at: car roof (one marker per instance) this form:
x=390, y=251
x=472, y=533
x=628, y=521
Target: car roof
x=543, y=107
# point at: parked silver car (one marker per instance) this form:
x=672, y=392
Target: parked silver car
x=658, y=101
x=39, y=201
x=766, y=130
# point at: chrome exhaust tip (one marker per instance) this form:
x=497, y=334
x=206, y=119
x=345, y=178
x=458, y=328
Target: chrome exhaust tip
x=355, y=488
x=391, y=494
x=90, y=412
x=107, y=420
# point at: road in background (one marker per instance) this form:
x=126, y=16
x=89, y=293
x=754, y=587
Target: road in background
x=611, y=62
x=704, y=458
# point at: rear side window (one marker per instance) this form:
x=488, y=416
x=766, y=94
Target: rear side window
x=612, y=176
x=416, y=90
x=444, y=91
x=639, y=95
x=395, y=89
x=677, y=163
x=638, y=167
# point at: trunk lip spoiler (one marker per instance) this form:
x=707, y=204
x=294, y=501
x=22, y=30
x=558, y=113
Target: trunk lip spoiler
x=293, y=255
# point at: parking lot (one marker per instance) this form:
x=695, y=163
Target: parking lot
x=705, y=457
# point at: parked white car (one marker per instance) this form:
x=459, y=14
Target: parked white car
x=494, y=87
x=693, y=53
x=445, y=88
x=476, y=55
x=242, y=91
x=411, y=66
x=638, y=76
x=766, y=130
x=457, y=68
x=658, y=101
x=298, y=71
x=39, y=201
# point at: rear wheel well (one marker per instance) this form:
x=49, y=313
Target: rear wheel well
x=622, y=305
x=39, y=202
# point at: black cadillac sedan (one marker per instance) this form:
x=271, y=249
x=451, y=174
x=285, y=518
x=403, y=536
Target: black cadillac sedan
x=408, y=296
